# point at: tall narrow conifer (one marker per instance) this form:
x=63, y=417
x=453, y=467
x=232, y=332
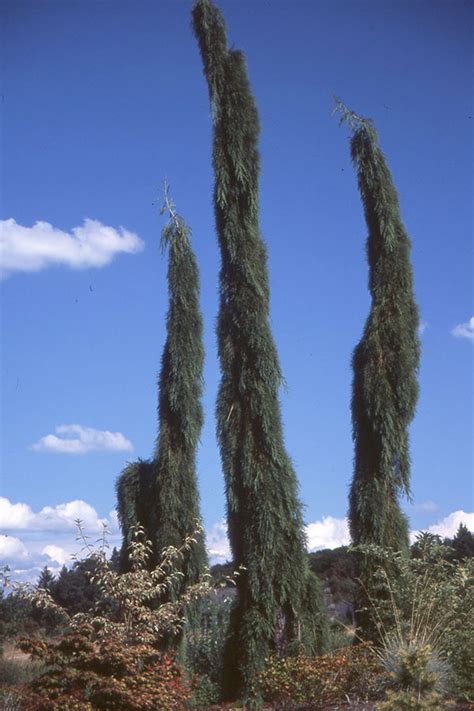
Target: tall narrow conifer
x=263, y=510
x=385, y=361
x=175, y=497
x=162, y=494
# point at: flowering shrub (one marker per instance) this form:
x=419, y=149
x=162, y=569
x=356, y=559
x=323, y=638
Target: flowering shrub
x=351, y=673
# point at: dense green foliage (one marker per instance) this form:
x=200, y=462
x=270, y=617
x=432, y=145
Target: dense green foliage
x=385, y=362
x=161, y=495
x=176, y=500
x=264, y=514
x=134, y=489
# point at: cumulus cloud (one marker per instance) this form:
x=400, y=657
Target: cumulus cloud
x=447, y=527
x=464, y=330
x=14, y=516
x=12, y=549
x=30, y=249
x=330, y=532
x=217, y=543
x=48, y=537
x=76, y=439
x=57, y=554
x=20, y=517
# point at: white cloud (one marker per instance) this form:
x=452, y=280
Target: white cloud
x=330, y=532
x=48, y=536
x=76, y=439
x=425, y=507
x=113, y=522
x=18, y=517
x=14, y=516
x=57, y=554
x=30, y=249
x=447, y=527
x=422, y=327
x=217, y=543
x=12, y=550
x=464, y=330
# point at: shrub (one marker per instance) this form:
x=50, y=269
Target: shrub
x=84, y=673
x=112, y=657
x=353, y=673
x=424, y=613
x=206, y=636
x=418, y=674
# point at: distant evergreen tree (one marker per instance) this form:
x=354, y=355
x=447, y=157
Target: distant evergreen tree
x=46, y=580
x=263, y=511
x=115, y=560
x=463, y=543
x=161, y=494
x=385, y=365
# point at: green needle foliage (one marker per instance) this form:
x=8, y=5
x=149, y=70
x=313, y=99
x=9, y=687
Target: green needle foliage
x=263, y=510
x=161, y=495
x=176, y=512
x=385, y=361
x=134, y=489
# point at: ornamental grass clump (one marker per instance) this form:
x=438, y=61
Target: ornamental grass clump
x=424, y=614
x=419, y=675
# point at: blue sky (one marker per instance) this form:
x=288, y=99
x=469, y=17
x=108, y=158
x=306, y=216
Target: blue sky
x=101, y=101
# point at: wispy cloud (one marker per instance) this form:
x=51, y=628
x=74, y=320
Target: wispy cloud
x=422, y=327
x=30, y=249
x=425, y=507
x=464, y=330
x=76, y=439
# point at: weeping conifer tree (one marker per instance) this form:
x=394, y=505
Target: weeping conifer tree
x=385, y=361
x=176, y=512
x=162, y=494
x=278, y=602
